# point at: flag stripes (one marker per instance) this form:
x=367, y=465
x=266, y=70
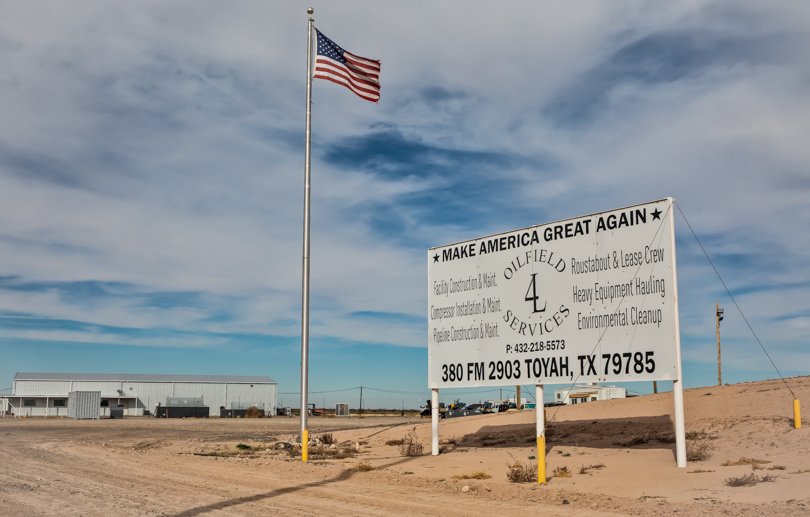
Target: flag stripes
x=359, y=74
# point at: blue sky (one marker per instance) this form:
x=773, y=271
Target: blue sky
x=151, y=176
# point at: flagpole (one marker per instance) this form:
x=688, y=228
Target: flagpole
x=305, y=281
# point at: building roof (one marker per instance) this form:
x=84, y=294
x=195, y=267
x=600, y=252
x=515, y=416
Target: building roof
x=135, y=377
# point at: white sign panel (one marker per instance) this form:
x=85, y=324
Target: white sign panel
x=591, y=299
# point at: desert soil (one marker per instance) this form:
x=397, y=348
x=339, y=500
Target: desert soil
x=620, y=453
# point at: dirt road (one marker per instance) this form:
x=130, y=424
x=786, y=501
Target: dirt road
x=620, y=454
x=150, y=467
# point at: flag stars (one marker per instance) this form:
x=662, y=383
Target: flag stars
x=359, y=74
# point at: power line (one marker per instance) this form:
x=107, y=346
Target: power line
x=733, y=300
x=328, y=391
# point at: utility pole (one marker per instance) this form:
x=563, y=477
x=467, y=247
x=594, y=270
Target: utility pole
x=719, y=317
x=655, y=386
x=517, y=397
x=360, y=411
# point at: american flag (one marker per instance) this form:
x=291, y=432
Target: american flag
x=360, y=75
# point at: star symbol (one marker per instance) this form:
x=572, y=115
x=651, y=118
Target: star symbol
x=436, y=257
x=656, y=214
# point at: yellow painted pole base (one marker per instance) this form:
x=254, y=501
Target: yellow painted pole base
x=541, y=460
x=797, y=415
x=304, y=444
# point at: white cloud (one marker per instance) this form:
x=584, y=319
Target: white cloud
x=160, y=146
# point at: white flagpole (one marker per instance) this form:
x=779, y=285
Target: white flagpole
x=305, y=281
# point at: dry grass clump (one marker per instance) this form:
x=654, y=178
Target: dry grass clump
x=743, y=461
x=698, y=450
x=323, y=453
x=699, y=435
x=698, y=447
x=749, y=480
x=475, y=475
x=805, y=471
x=584, y=469
x=395, y=442
x=561, y=472
x=363, y=466
x=327, y=439
x=700, y=471
x=240, y=449
x=518, y=472
x=254, y=412
x=410, y=445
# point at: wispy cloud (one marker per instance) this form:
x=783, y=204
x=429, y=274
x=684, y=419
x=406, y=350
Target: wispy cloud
x=151, y=170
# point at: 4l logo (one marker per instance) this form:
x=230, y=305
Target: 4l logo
x=537, y=317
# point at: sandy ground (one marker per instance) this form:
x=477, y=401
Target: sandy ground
x=620, y=454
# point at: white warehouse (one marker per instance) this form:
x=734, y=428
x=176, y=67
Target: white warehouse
x=46, y=394
x=588, y=393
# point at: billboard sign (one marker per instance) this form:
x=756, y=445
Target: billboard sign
x=589, y=299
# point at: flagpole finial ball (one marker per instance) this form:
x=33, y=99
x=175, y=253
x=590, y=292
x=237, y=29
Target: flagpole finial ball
x=310, y=10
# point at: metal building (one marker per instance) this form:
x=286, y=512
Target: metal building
x=46, y=394
x=588, y=393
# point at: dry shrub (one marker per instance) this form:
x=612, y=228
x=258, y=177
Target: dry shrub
x=561, y=472
x=584, y=469
x=363, y=466
x=240, y=449
x=777, y=467
x=327, y=439
x=253, y=412
x=395, y=442
x=475, y=475
x=699, y=471
x=325, y=453
x=749, y=480
x=805, y=471
x=698, y=450
x=743, y=461
x=699, y=435
x=518, y=472
x=410, y=445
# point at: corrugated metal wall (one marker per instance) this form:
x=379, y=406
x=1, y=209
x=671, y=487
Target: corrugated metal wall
x=84, y=404
x=138, y=397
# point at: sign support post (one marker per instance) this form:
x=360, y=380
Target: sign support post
x=677, y=384
x=434, y=420
x=540, y=408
